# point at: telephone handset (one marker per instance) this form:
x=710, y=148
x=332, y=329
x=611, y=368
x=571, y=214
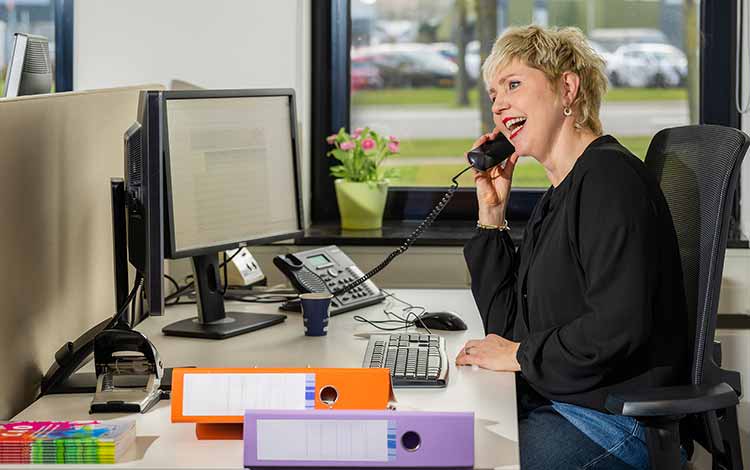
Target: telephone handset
x=327, y=269
x=303, y=269
x=491, y=153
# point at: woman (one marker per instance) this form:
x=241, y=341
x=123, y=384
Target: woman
x=592, y=303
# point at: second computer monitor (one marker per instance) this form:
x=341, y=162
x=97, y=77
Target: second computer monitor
x=29, y=68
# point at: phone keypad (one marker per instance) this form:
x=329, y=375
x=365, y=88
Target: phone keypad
x=340, y=280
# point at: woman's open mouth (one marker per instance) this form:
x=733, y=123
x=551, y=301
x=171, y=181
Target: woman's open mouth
x=514, y=125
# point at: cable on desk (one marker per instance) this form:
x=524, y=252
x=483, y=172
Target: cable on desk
x=173, y=281
x=134, y=320
x=184, y=290
x=404, y=321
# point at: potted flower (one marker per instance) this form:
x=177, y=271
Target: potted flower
x=361, y=183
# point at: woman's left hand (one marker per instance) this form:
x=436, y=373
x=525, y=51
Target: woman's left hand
x=493, y=352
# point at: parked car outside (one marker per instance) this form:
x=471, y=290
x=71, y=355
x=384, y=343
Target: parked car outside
x=605, y=55
x=612, y=38
x=473, y=63
x=668, y=56
x=648, y=65
x=365, y=75
x=408, y=65
x=445, y=49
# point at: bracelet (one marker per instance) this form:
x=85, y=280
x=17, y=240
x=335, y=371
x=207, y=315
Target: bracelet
x=504, y=226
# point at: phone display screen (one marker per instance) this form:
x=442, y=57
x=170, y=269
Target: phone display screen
x=318, y=260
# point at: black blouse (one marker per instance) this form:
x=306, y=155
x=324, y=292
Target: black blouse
x=594, y=293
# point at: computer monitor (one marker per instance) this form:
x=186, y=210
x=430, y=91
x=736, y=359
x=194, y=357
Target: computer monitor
x=29, y=69
x=225, y=164
x=145, y=200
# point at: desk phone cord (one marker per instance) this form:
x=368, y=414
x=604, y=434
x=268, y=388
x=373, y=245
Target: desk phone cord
x=409, y=240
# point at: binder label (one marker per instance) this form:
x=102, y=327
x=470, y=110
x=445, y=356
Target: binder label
x=326, y=440
x=391, y=441
x=232, y=394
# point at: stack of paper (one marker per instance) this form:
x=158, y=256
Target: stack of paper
x=76, y=442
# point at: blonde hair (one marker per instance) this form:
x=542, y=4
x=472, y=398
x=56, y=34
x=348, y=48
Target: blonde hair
x=554, y=51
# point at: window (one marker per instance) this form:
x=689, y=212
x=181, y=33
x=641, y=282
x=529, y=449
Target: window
x=52, y=19
x=690, y=45
x=417, y=89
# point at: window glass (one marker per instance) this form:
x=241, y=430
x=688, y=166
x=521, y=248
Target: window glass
x=406, y=73
x=25, y=16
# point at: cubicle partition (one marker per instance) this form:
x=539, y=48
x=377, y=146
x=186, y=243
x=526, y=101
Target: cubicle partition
x=57, y=154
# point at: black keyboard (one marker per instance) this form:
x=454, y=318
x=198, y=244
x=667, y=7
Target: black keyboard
x=415, y=361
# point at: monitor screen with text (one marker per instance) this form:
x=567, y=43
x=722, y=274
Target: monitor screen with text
x=230, y=170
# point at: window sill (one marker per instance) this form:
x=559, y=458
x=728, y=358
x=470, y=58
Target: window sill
x=394, y=233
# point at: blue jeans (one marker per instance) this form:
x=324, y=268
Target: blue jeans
x=561, y=436
x=621, y=436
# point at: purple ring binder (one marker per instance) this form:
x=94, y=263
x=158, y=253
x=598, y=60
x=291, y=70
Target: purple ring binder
x=366, y=438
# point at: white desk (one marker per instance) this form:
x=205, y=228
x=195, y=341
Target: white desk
x=162, y=444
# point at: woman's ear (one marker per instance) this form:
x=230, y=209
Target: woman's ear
x=570, y=84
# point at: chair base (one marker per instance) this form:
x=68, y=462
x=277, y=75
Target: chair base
x=663, y=439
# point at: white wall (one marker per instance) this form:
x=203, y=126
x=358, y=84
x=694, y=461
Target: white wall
x=224, y=44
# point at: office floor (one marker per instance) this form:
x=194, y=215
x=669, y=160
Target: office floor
x=702, y=460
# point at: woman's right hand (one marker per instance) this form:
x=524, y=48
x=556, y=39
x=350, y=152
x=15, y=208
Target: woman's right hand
x=493, y=185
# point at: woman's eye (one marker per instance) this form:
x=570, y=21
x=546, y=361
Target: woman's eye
x=492, y=99
x=513, y=84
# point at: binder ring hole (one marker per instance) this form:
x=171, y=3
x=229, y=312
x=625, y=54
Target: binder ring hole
x=329, y=395
x=411, y=441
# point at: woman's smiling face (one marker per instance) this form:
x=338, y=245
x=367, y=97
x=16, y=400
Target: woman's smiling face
x=526, y=107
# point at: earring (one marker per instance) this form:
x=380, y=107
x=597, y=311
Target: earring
x=567, y=111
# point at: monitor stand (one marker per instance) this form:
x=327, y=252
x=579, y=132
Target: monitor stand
x=212, y=321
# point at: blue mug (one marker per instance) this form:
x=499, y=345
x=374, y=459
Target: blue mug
x=315, y=312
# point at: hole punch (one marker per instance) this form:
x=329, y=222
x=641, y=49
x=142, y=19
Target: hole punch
x=411, y=441
x=328, y=395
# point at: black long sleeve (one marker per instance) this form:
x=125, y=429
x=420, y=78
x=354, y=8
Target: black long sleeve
x=492, y=261
x=599, y=304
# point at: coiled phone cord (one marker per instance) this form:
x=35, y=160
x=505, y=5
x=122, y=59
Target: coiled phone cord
x=409, y=240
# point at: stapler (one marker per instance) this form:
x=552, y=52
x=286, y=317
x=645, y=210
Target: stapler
x=128, y=372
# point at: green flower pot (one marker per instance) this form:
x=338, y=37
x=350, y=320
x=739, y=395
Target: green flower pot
x=361, y=204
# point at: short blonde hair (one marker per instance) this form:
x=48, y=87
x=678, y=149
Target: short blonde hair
x=554, y=51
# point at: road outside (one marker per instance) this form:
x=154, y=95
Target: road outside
x=425, y=122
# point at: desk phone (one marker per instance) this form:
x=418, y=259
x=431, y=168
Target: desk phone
x=327, y=269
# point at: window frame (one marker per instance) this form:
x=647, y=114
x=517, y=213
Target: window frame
x=331, y=42
x=718, y=80
x=63, y=45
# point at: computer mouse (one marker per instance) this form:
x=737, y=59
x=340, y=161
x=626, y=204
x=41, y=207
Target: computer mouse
x=441, y=321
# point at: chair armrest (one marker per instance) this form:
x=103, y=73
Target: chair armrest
x=672, y=401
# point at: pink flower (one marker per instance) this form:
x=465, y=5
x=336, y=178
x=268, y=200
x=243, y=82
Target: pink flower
x=357, y=132
x=393, y=138
x=368, y=144
x=347, y=145
x=331, y=139
x=393, y=146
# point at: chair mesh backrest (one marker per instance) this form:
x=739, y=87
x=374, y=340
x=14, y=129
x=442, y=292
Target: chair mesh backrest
x=698, y=168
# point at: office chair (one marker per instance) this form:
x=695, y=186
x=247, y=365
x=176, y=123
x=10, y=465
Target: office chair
x=698, y=168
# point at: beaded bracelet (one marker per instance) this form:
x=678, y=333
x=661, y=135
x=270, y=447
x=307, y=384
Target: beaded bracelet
x=504, y=226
